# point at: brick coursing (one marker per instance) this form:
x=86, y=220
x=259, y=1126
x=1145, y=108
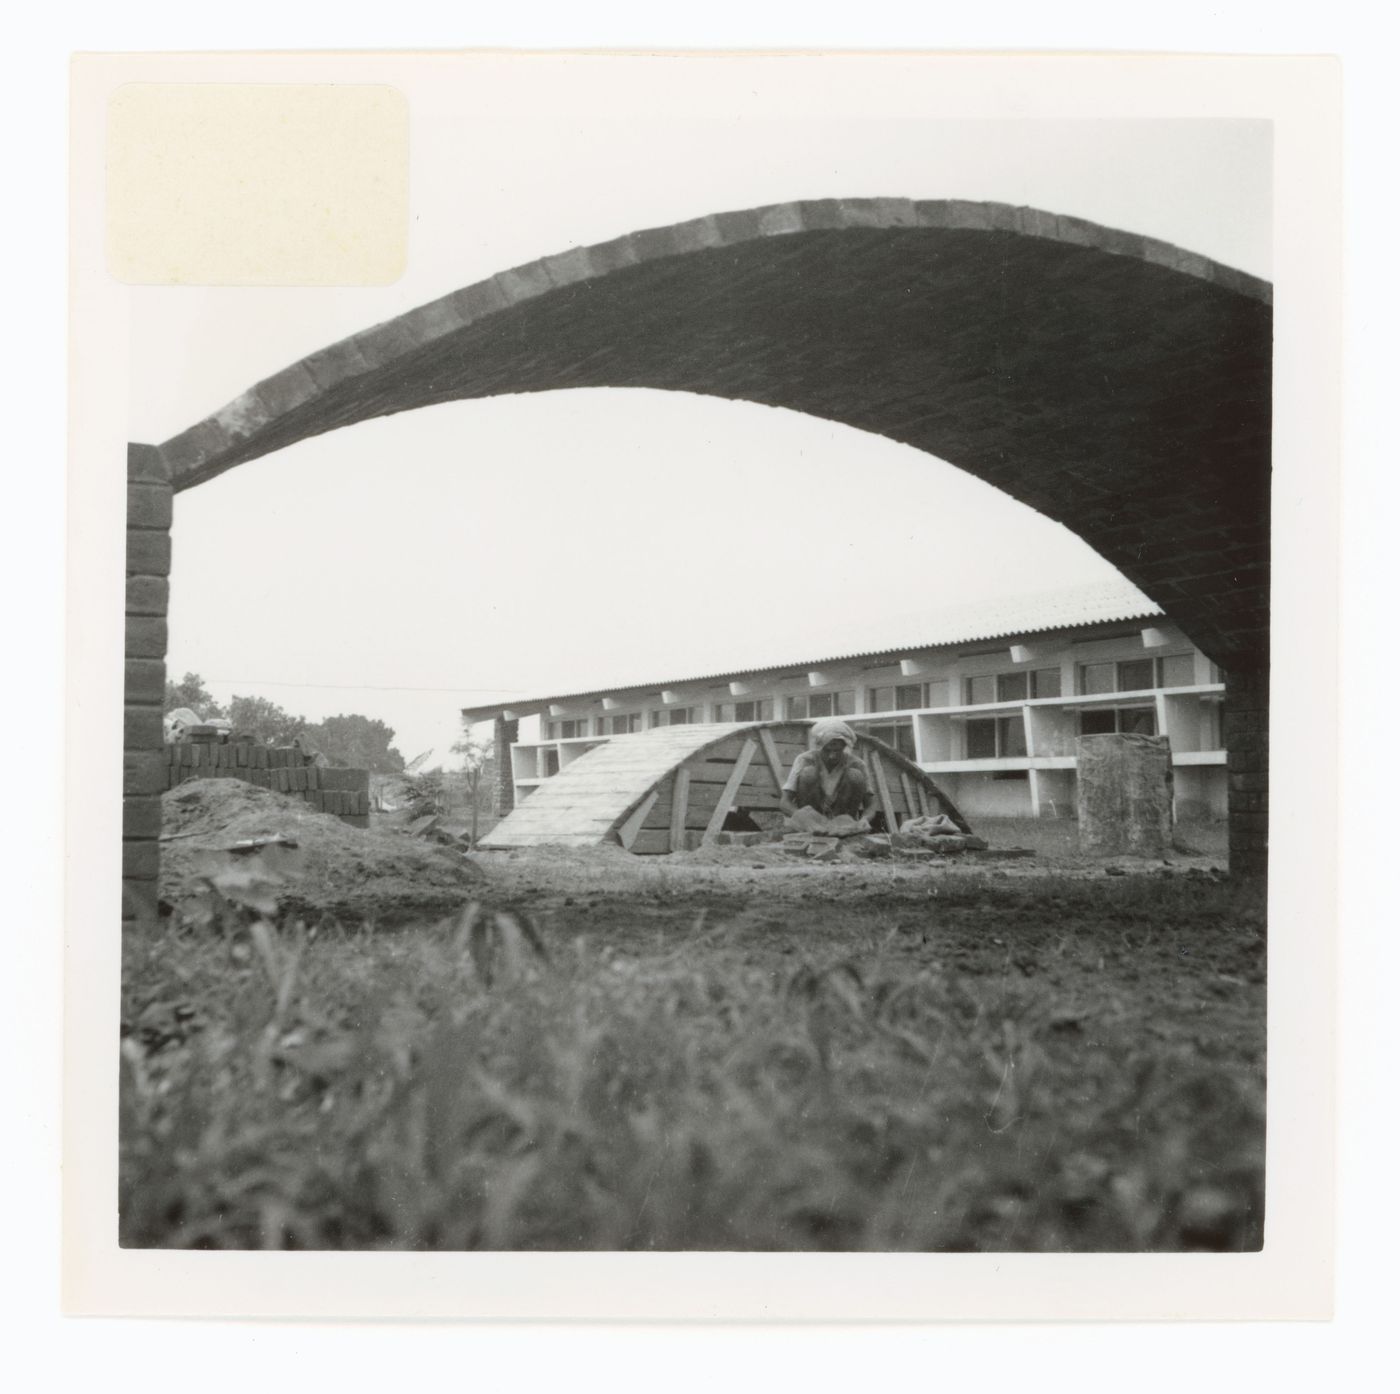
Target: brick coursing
x=1246, y=734
x=505, y=733
x=149, y=512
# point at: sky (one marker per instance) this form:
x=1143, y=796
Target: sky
x=408, y=566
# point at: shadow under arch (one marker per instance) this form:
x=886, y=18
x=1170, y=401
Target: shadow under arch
x=1114, y=383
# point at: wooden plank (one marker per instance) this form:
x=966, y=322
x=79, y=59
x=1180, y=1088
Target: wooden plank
x=651, y=842
x=726, y=799
x=911, y=804
x=629, y=830
x=771, y=757
x=680, y=798
x=882, y=786
x=922, y=790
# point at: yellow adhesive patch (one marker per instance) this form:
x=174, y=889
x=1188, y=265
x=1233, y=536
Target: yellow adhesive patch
x=228, y=184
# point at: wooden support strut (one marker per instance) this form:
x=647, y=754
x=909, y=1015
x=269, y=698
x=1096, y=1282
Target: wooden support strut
x=773, y=759
x=907, y=785
x=882, y=785
x=731, y=788
x=680, y=798
x=627, y=833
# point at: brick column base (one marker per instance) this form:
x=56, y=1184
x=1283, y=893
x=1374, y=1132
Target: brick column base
x=503, y=797
x=1246, y=731
x=149, y=507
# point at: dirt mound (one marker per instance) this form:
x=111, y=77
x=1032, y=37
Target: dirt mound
x=351, y=874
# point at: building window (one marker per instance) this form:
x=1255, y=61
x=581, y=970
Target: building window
x=760, y=709
x=624, y=725
x=673, y=716
x=1137, y=674
x=1177, y=670
x=1138, y=721
x=982, y=688
x=899, y=734
x=568, y=730
x=899, y=697
x=996, y=738
x=1012, y=687
x=821, y=704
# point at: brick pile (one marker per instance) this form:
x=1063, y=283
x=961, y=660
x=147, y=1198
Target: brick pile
x=341, y=792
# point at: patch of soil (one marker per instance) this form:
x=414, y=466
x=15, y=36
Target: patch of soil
x=336, y=871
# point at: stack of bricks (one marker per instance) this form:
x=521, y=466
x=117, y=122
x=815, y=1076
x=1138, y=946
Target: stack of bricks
x=148, y=513
x=344, y=793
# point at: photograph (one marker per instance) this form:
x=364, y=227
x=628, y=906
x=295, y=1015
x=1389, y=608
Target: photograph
x=697, y=658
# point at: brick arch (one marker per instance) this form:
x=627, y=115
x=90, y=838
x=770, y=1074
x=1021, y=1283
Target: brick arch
x=1115, y=383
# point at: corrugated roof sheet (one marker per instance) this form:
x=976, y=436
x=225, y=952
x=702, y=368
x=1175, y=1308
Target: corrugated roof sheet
x=883, y=633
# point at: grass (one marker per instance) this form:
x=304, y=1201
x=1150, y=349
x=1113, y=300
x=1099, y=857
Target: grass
x=1038, y=1064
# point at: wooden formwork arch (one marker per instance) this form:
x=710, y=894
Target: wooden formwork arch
x=673, y=787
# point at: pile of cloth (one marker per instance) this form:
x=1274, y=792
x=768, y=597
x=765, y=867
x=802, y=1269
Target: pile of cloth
x=937, y=833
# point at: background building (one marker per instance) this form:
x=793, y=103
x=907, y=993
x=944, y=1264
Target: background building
x=988, y=698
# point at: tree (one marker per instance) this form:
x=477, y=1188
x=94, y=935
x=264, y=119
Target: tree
x=190, y=692
x=265, y=721
x=478, y=770
x=361, y=742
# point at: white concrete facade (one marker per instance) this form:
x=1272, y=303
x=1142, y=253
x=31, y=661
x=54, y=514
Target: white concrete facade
x=994, y=720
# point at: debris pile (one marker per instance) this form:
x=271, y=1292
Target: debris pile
x=327, y=869
x=834, y=839
x=209, y=750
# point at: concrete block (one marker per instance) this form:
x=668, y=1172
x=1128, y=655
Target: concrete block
x=244, y=417
x=332, y=777
x=568, y=268
x=779, y=218
x=524, y=282
x=192, y=450
x=149, y=506
x=335, y=364
x=478, y=301
x=285, y=391
x=140, y=901
x=144, y=681
x=143, y=729
x=820, y=213
x=878, y=212
x=144, y=772
x=141, y=815
x=141, y=859
x=614, y=255
x=147, y=553
x=146, y=465
x=1124, y=794
x=386, y=343
x=740, y=226
x=692, y=236
x=437, y=319
x=146, y=637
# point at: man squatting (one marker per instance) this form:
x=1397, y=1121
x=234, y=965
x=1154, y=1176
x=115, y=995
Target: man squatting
x=829, y=777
